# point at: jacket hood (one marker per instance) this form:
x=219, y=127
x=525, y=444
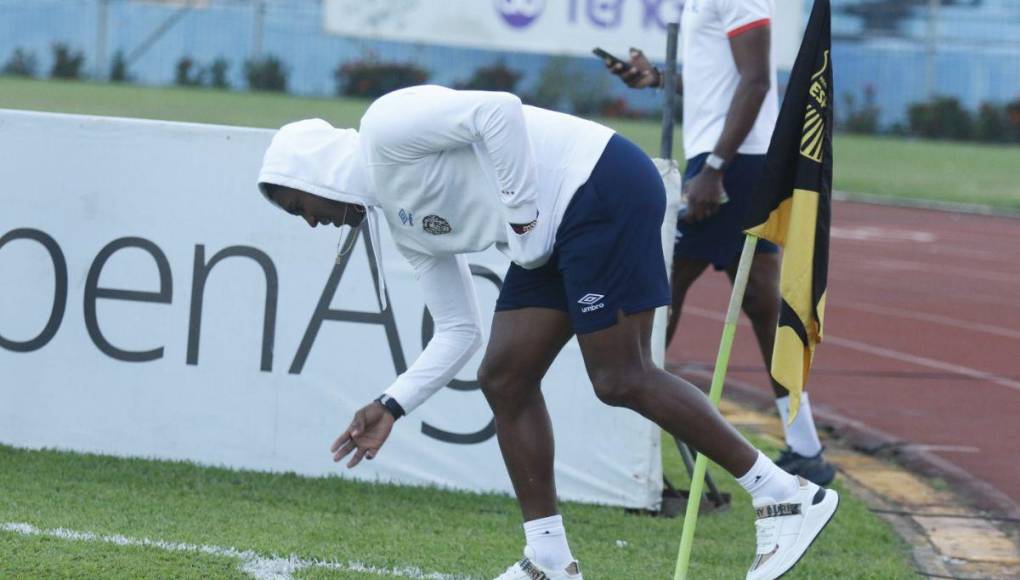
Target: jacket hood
x=315, y=157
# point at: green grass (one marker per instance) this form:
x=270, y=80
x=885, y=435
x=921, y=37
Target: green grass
x=381, y=525
x=889, y=167
x=326, y=519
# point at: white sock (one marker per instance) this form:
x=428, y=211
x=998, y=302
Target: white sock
x=548, y=539
x=801, y=436
x=765, y=480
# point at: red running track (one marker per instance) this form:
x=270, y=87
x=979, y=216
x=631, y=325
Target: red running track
x=922, y=334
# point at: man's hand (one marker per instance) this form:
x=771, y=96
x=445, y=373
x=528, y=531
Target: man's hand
x=704, y=194
x=640, y=74
x=366, y=434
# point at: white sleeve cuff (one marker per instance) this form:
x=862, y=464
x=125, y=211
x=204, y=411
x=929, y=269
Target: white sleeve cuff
x=522, y=214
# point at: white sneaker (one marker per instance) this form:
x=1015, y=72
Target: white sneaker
x=527, y=569
x=785, y=530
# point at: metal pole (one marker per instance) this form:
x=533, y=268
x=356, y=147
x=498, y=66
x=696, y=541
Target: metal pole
x=722, y=362
x=669, y=87
x=666, y=152
x=258, y=26
x=102, y=17
x=930, y=73
x=714, y=495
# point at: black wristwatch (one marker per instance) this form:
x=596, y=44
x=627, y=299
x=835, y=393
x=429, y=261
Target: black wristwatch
x=391, y=405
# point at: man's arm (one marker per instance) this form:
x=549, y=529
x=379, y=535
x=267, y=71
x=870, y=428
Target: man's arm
x=751, y=55
x=449, y=294
x=640, y=74
x=751, y=50
x=407, y=125
x=450, y=297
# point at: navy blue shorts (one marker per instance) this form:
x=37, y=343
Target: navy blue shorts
x=720, y=238
x=608, y=253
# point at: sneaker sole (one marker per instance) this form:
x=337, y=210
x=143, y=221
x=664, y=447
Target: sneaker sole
x=818, y=533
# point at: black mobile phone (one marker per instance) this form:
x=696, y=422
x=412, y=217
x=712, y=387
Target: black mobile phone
x=605, y=56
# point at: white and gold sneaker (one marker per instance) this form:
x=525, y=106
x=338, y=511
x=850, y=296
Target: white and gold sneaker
x=527, y=569
x=786, y=530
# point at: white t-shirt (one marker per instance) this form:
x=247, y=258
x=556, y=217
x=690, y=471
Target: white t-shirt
x=449, y=170
x=710, y=75
x=471, y=162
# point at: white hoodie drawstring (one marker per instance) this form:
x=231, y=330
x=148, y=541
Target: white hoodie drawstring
x=376, y=238
x=344, y=247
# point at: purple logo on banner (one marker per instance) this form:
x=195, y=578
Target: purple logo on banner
x=520, y=13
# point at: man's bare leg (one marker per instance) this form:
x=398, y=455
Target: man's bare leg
x=685, y=272
x=620, y=366
x=761, y=305
x=522, y=345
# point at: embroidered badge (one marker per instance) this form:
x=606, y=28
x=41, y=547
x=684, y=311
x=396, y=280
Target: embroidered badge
x=436, y=225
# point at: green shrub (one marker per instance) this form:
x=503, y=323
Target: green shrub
x=991, y=124
x=562, y=86
x=551, y=90
x=188, y=73
x=66, y=63
x=371, y=79
x=1013, y=120
x=940, y=118
x=218, y=73
x=21, y=64
x=865, y=119
x=493, y=77
x=266, y=74
x=119, y=69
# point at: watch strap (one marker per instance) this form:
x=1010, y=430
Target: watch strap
x=391, y=405
x=715, y=162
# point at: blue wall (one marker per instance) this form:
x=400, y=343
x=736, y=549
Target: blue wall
x=979, y=60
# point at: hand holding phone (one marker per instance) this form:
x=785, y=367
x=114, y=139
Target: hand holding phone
x=637, y=73
x=610, y=60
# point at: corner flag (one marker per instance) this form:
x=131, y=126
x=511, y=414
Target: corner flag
x=791, y=206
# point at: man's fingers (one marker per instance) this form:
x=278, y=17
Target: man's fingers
x=697, y=211
x=358, y=456
x=344, y=450
x=343, y=438
x=358, y=424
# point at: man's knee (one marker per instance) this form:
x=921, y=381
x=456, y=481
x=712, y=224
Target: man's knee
x=761, y=303
x=618, y=387
x=503, y=383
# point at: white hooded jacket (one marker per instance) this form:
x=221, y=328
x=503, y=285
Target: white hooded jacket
x=450, y=171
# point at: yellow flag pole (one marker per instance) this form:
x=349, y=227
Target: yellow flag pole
x=722, y=361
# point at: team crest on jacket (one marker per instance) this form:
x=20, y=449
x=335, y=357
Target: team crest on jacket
x=436, y=225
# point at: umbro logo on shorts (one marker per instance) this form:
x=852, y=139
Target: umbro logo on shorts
x=591, y=302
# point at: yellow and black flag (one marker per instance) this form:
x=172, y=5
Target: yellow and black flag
x=792, y=204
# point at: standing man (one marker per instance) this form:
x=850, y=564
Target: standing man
x=579, y=210
x=729, y=112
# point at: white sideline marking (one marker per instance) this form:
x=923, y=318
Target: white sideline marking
x=252, y=564
x=889, y=353
x=933, y=318
x=879, y=234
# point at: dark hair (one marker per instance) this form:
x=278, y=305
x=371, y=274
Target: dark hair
x=269, y=189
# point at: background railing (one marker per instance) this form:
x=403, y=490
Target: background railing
x=938, y=68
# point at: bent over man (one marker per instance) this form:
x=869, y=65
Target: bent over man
x=578, y=210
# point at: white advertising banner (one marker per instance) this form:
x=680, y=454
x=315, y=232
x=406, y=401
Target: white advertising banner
x=568, y=27
x=152, y=304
